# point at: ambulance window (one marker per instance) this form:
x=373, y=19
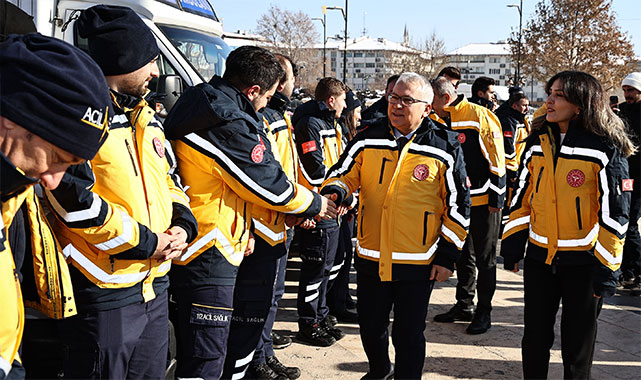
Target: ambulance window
x=205, y=53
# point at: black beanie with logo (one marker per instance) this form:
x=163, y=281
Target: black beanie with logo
x=55, y=91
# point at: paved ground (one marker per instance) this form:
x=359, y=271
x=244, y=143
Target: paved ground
x=452, y=354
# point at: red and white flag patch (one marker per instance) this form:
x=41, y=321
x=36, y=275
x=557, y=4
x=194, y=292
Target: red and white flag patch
x=461, y=137
x=309, y=146
x=508, y=134
x=627, y=184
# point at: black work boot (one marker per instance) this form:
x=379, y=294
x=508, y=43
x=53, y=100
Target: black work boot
x=315, y=335
x=337, y=333
x=280, y=341
x=458, y=312
x=264, y=372
x=481, y=322
x=290, y=372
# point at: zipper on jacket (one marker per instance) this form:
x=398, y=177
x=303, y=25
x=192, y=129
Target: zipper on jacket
x=578, y=212
x=44, y=249
x=538, y=181
x=425, y=216
x=361, y=224
x=131, y=156
x=380, y=179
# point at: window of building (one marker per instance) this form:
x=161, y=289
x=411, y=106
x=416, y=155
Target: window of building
x=358, y=65
x=380, y=54
x=502, y=65
x=358, y=55
x=380, y=65
x=357, y=70
x=495, y=71
x=333, y=54
x=494, y=60
x=349, y=54
x=370, y=64
x=370, y=54
x=502, y=77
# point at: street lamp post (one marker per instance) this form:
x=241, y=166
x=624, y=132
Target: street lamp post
x=324, y=21
x=344, y=12
x=519, y=7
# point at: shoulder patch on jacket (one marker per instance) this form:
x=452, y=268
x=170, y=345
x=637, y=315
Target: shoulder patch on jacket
x=309, y=146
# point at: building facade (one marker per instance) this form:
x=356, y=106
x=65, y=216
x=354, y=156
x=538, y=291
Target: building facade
x=370, y=61
x=493, y=60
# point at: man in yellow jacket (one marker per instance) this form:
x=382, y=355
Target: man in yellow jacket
x=479, y=132
x=413, y=220
x=226, y=159
x=46, y=124
x=121, y=217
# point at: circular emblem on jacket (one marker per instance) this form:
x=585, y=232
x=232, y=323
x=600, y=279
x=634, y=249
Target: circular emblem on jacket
x=461, y=137
x=160, y=148
x=575, y=178
x=257, y=153
x=421, y=172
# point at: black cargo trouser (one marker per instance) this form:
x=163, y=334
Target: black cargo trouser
x=375, y=301
x=318, y=253
x=545, y=288
x=476, y=267
x=130, y=342
x=252, y=300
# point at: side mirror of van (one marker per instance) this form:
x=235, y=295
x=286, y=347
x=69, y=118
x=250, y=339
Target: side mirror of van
x=172, y=87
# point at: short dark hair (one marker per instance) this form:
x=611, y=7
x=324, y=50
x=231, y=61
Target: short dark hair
x=451, y=72
x=515, y=97
x=282, y=59
x=252, y=65
x=482, y=84
x=391, y=79
x=328, y=87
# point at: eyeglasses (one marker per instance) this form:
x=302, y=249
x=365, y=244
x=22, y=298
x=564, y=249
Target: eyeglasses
x=405, y=100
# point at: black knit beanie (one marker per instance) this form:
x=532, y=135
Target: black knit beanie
x=119, y=41
x=55, y=91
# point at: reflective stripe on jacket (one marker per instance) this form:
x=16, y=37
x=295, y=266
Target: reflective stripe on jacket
x=226, y=160
x=481, y=138
x=109, y=209
x=414, y=204
x=569, y=197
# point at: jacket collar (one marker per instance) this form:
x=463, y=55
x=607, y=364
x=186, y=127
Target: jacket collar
x=233, y=94
x=14, y=180
x=125, y=101
x=278, y=102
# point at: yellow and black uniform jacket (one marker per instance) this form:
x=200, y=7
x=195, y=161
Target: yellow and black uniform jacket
x=318, y=142
x=480, y=135
x=414, y=203
x=569, y=203
x=226, y=160
x=516, y=129
x=270, y=224
x=109, y=209
x=31, y=245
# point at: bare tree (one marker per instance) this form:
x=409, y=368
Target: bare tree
x=293, y=34
x=574, y=35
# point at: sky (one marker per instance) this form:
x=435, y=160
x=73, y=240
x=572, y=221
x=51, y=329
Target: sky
x=456, y=22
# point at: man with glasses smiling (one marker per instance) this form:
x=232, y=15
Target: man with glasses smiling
x=413, y=218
